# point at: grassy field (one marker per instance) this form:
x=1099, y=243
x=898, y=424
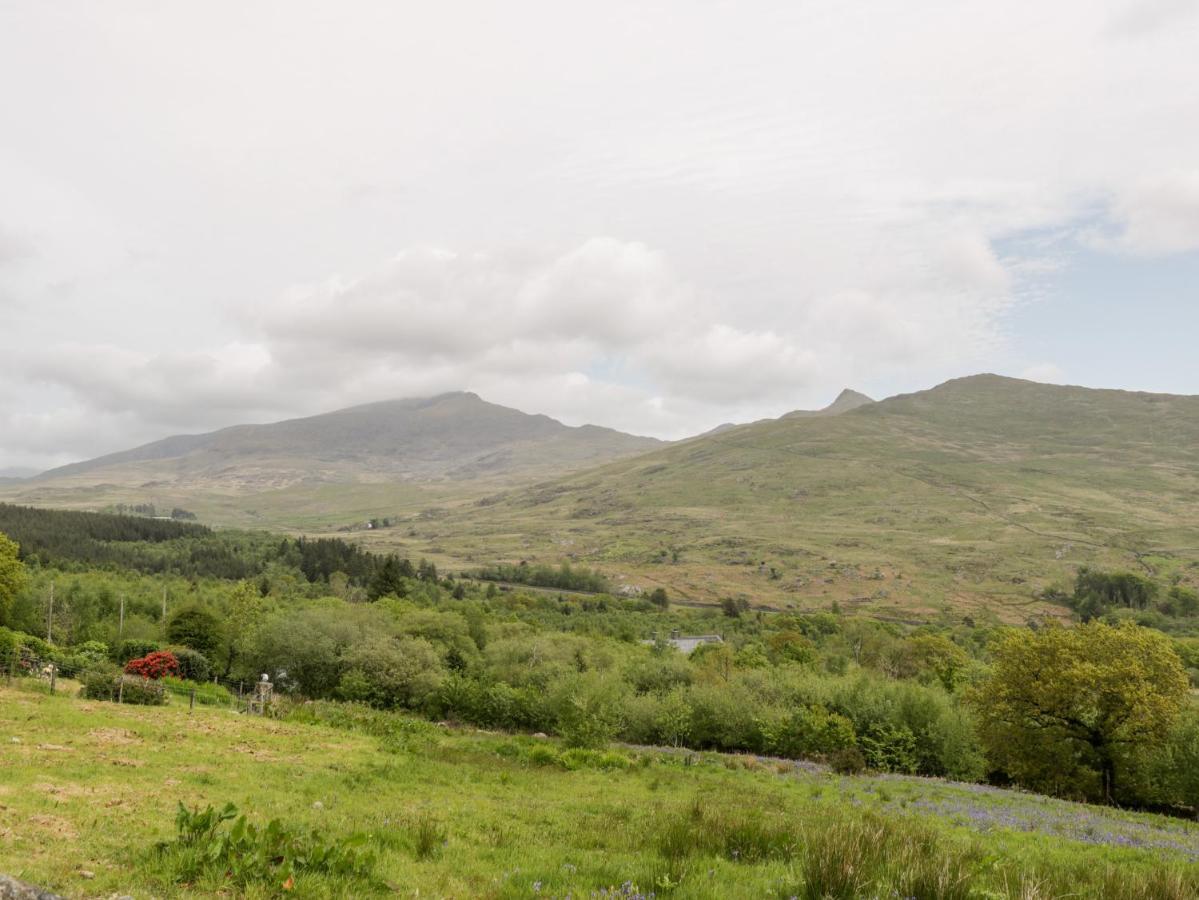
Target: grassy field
x=88, y=788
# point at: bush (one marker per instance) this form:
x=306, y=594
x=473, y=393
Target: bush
x=132, y=649
x=109, y=683
x=140, y=691
x=154, y=665
x=193, y=665
x=100, y=682
x=589, y=714
x=541, y=755
x=207, y=846
x=197, y=628
x=389, y=672
x=89, y=653
x=847, y=761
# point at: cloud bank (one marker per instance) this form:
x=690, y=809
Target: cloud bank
x=657, y=217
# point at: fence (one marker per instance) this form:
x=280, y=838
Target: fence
x=21, y=665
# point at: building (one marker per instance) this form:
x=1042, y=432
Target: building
x=686, y=643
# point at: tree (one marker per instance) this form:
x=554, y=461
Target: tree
x=12, y=574
x=734, y=607
x=389, y=579
x=244, y=615
x=1097, y=592
x=658, y=597
x=197, y=628
x=1076, y=703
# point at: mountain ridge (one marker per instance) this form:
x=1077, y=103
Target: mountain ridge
x=447, y=435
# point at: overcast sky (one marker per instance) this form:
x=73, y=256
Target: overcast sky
x=657, y=216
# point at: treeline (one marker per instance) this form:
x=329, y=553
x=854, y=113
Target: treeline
x=1099, y=594
x=563, y=578
x=65, y=538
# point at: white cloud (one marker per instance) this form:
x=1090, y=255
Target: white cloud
x=606, y=331
x=1155, y=217
x=1145, y=17
x=656, y=217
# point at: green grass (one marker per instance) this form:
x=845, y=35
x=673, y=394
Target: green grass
x=88, y=789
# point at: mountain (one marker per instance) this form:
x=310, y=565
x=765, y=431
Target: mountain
x=455, y=436
x=967, y=499
x=846, y=401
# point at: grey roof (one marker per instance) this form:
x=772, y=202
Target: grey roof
x=688, y=642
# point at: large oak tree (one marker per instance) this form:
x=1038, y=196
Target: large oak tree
x=1064, y=708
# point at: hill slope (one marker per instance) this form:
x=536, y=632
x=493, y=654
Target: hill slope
x=452, y=436
x=969, y=497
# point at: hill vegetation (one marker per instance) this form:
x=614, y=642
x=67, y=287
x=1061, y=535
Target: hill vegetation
x=309, y=802
x=982, y=496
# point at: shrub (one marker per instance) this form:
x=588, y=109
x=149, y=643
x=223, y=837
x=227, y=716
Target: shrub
x=890, y=748
x=89, y=653
x=132, y=649
x=541, y=755
x=100, y=682
x=589, y=714
x=388, y=672
x=847, y=761
x=140, y=691
x=195, y=627
x=193, y=665
x=207, y=846
x=153, y=665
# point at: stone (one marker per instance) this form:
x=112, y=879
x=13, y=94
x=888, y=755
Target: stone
x=11, y=889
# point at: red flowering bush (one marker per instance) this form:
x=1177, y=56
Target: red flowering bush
x=154, y=665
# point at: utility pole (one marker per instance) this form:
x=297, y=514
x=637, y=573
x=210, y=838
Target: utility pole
x=164, y=608
x=50, y=617
x=121, y=626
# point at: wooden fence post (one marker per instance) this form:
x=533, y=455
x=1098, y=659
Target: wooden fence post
x=53, y=675
x=193, y=701
x=121, y=690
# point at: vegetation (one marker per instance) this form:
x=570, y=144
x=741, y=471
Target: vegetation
x=453, y=812
x=161, y=546
x=1100, y=710
x=12, y=574
x=563, y=577
x=950, y=700
x=225, y=848
x=1068, y=710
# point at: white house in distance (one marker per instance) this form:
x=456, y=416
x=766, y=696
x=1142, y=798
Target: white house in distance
x=686, y=643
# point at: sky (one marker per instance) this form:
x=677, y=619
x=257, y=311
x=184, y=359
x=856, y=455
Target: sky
x=657, y=215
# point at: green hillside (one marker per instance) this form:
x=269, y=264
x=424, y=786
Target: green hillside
x=969, y=497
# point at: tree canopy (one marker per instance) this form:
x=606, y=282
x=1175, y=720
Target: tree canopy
x=1065, y=708
x=12, y=574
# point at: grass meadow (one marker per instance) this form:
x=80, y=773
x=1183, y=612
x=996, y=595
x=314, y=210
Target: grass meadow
x=88, y=789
